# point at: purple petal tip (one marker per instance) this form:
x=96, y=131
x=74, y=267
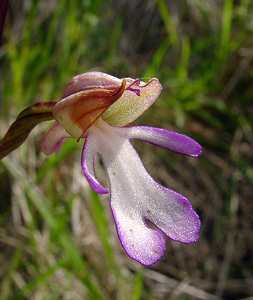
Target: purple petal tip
x=171, y=140
x=141, y=243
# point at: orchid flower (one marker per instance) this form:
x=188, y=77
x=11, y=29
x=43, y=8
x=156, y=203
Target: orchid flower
x=97, y=107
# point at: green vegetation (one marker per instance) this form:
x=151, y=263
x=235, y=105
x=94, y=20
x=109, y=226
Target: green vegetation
x=57, y=237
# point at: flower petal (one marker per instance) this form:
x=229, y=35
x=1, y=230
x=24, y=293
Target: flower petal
x=136, y=99
x=87, y=162
x=91, y=80
x=77, y=112
x=52, y=141
x=137, y=199
x=171, y=140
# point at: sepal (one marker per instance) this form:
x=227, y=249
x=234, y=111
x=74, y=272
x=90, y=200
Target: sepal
x=77, y=112
x=136, y=99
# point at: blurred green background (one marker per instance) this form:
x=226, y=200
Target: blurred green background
x=57, y=237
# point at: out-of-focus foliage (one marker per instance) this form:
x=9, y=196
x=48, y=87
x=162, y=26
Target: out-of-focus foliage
x=57, y=238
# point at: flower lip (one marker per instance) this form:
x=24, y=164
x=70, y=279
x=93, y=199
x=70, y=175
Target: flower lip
x=137, y=200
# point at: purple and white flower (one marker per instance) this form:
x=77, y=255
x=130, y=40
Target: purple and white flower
x=97, y=107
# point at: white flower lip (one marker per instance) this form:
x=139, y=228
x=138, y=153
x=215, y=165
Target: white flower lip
x=136, y=199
